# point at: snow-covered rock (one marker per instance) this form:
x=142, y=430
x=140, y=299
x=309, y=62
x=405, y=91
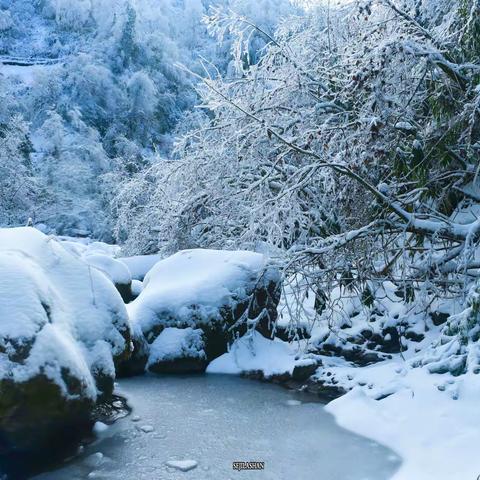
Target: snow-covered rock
x=221, y=292
x=63, y=327
x=140, y=265
x=256, y=356
x=102, y=257
x=178, y=350
x=115, y=270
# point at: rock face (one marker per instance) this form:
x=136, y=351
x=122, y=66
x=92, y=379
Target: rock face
x=136, y=362
x=222, y=293
x=63, y=329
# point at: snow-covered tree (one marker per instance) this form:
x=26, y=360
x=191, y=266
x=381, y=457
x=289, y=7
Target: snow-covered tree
x=348, y=149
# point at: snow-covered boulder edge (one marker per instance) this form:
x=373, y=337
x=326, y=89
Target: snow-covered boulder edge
x=222, y=293
x=178, y=350
x=102, y=256
x=63, y=328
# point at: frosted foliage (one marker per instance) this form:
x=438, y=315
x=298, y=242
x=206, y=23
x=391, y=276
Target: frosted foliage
x=71, y=13
x=100, y=93
x=6, y=21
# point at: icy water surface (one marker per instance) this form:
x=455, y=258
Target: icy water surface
x=211, y=421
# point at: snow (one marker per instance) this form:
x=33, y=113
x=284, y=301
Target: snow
x=183, y=465
x=140, y=265
x=436, y=436
x=147, y=428
x=297, y=304
x=137, y=287
x=175, y=343
x=101, y=256
x=254, y=352
x=100, y=427
x=192, y=285
x=26, y=75
x=113, y=269
x=72, y=311
x=95, y=459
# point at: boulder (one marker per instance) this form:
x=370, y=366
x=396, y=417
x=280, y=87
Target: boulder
x=178, y=350
x=135, y=364
x=260, y=358
x=63, y=329
x=102, y=256
x=222, y=293
x=115, y=270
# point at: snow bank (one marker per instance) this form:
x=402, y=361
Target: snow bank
x=430, y=420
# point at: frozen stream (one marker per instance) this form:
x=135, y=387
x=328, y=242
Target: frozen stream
x=215, y=420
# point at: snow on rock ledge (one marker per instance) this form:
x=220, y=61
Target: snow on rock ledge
x=63, y=327
x=220, y=292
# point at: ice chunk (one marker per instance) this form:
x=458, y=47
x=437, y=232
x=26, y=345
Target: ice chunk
x=183, y=465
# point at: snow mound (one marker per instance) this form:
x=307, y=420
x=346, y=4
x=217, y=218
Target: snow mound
x=191, y=287
x=255, y=353
x=102, y=257
x=58, y=314
x=115, y=270
x=174, y=343
x=140, y=265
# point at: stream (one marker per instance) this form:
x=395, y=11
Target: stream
x=204, y=423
